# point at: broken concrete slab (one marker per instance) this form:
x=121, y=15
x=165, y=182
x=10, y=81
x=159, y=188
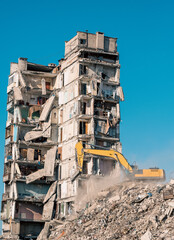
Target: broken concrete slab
x=114, y=198
x=50, y=192
x=32, y=135
x=171, y=204
x=35, y=176
x=46, y=129
x=46, y=109
x=147, y=236
x=168, y=194
x=50, y=161
x=48, y=208
x=171, y=181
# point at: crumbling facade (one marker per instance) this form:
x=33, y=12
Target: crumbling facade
x=51, y=108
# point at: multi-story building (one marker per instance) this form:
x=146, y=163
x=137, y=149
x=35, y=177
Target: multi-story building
x=51, y=108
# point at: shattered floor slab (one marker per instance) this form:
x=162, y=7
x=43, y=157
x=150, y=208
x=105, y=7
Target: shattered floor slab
x=34, y=176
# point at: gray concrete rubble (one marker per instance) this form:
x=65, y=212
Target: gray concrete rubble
x=128, y=210
x=50, y=109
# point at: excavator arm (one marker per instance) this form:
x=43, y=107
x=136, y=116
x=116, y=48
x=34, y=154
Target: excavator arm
x=112, y=154
x=105, y=153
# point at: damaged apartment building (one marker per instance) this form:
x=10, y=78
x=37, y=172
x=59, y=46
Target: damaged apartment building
x=49, y=109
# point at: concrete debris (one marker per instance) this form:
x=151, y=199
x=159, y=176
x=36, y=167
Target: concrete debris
x=115, y=214
x=115, y=198
x=168, y=194
x=171, y=182
x=147, y=236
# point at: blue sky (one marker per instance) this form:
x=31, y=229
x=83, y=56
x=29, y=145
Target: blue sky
x=37, y=30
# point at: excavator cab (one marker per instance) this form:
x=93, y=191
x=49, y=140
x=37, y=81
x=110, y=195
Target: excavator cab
x=134, y=166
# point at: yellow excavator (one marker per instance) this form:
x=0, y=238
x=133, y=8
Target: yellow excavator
x=132, y=171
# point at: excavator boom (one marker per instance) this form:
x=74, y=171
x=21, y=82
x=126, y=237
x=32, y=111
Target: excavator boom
x=112, y=154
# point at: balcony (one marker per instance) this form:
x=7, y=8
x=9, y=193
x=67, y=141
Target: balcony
x=84, y=116
x=99, y=62
x=106, y=138
x=10, y=106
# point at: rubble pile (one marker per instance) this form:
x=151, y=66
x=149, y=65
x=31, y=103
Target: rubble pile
x=126, y=211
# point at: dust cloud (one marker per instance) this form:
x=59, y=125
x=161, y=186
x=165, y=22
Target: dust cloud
x=97, y=183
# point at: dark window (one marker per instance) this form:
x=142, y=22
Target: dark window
x=83, y=88
x=95, y=166
x=83, y=107
x=85, y=167
x=63, y=80
x=59, y=191
x=103, y=76
x=61, y=135
x=59, y=208
x=48, y=85
x=98, y=88
x=112, y=132
x=83, y=128
x=41, y=100
x=82, y=41
x=82, y=69
x=60, y=172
